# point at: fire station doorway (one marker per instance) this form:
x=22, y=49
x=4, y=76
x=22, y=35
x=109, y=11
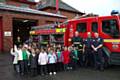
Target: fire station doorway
x=21, y=28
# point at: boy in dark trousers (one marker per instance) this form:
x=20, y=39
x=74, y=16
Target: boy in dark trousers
x=33, y=62
x=37, y=51
x=74, y=58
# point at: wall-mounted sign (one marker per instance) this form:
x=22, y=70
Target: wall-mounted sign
x=7, y=33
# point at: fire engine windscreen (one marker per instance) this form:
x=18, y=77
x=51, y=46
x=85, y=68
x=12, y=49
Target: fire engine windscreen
x=111, y=28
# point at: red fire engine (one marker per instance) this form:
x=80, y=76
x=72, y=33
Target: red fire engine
x=48, y=34
x=108, y=28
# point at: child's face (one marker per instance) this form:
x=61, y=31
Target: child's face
x=33, y=51
x=37, y=50
x=20, y=47
x=51, y=51
x=48, y=49
x=42, y=50
x=65, y=48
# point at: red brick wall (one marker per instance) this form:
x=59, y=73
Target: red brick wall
x=69, y=14
x=17, y=3
x=13, y=3
x=7, y=26
x=7, y=19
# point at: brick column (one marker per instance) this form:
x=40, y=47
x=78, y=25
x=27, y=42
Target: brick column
x=7, y=27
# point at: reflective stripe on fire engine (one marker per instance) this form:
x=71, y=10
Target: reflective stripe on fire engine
x=111, y=40
x=60, y=30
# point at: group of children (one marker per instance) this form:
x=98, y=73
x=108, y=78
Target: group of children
x=46, y=60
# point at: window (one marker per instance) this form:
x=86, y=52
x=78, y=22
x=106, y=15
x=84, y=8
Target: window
x=81, y=27
x=110, y=27
x=95, y=27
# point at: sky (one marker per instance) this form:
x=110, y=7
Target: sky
x=100, y=7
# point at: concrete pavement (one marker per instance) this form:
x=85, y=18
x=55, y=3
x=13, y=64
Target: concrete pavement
x=7, y=73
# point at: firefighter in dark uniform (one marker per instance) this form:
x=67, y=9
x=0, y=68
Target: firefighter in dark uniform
x=77, y=42
x=18, y=42
x=97, y=45
x=88, y=60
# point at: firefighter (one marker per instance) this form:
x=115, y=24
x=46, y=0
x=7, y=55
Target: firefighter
x=77, y=42
x=18, y=41
x=88, y=50
x=97, y=45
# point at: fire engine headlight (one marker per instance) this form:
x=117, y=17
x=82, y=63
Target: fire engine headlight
x=115, y=46
x=69, y=39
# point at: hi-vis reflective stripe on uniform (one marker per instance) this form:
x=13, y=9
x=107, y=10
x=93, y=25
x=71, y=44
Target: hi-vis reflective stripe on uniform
x=60, y=30
x=111, y=40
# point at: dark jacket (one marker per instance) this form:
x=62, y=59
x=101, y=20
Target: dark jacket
x=33, y=61
x=73, y=57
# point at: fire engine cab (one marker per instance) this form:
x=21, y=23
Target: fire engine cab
x=108, y=28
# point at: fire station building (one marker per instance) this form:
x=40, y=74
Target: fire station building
x=18, y=16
